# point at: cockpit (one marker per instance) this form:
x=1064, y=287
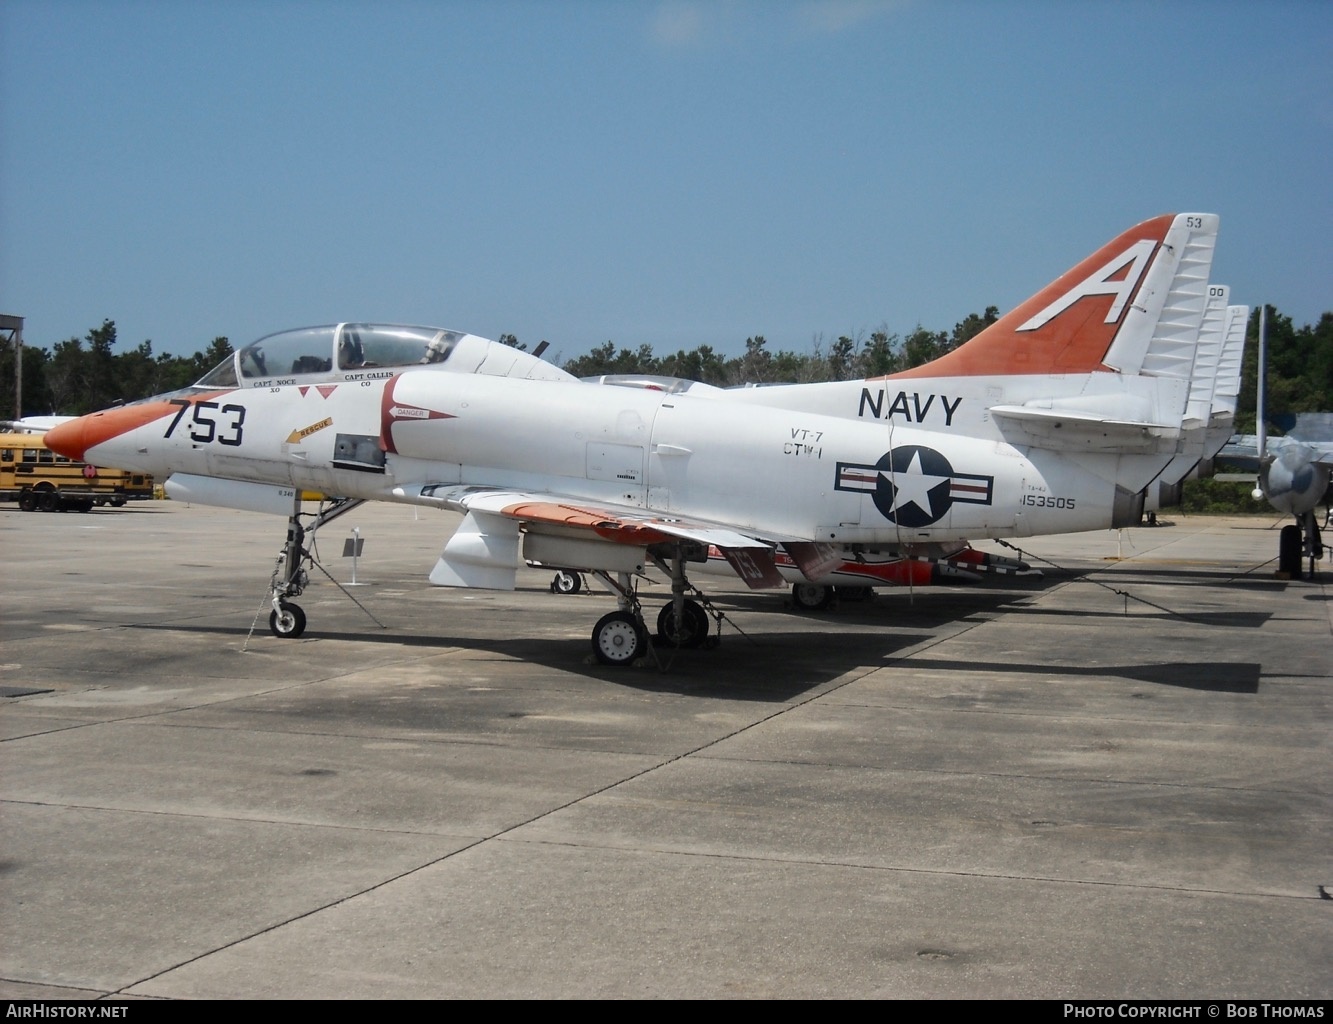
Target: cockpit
x=333, y=352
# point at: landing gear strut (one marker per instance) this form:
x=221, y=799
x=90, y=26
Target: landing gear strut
x=683, y=622
x=619, y=636
x=290, y=574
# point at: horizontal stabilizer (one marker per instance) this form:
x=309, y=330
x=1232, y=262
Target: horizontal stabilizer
x=1071, y=430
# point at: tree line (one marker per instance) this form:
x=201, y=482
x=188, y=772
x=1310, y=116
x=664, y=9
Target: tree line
x=1300, y=368
x=80, y=375
x=847, y=358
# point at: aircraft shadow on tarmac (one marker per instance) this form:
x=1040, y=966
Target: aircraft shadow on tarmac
x=1212, y=676
x=768, y=663
x=766, y=667
x=1174, y=575
x=1229, y=620
x=896, y=608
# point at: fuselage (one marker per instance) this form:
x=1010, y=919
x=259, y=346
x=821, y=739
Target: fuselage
x=782, y=474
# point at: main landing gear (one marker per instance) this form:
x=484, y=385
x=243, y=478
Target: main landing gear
x=1296, y=543
x=290, y=573
x=621, y=637
x=815, y=597
x=811, y=597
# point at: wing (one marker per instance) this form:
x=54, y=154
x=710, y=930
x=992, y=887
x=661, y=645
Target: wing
x=501, y=530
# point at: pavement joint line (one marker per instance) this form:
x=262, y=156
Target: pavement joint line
x=938, y=872
x=1020, y=776
x=104, y=992
x=472, y=838
x=163, y=712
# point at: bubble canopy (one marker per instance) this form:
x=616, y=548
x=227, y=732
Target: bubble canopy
x=321, y=351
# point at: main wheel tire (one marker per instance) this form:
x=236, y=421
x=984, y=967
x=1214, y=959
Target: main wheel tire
x=1289, y=551
x=48, y=501
x=288, y=623
x=618, y=639
x=693, y=629
x=811, y=597
x=566, y=582
x=28, y=502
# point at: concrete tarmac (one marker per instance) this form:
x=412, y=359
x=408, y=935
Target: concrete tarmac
x=1109, y=782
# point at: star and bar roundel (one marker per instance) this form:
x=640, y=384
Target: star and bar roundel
x=913, y=485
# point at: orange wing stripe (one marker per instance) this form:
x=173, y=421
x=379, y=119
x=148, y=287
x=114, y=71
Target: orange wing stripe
x=604, y=524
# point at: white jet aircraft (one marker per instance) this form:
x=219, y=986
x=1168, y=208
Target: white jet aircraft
x=1293, y=472
x=1053, y=420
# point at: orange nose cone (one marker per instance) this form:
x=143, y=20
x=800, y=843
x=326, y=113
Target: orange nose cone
x=68, y=439
x=77, y=437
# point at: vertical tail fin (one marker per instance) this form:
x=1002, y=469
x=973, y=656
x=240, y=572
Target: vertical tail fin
x=1210, y=410
x=1226, y=390
x=1134, y=306
x=1208, y=356
x=1233, y=351
x=1176, y=315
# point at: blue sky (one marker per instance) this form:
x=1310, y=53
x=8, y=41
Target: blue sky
x=670, y=173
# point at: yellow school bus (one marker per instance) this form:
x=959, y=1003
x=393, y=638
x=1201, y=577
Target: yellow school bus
x=42, y=481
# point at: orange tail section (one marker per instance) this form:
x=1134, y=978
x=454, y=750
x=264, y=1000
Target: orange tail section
x=1069, y=325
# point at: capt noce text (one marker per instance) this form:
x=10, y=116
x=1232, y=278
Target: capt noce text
x=913, y=407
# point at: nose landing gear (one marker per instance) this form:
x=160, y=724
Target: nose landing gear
x=287, y=619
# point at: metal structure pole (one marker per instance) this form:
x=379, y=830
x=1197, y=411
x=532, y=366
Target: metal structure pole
x=14, y=325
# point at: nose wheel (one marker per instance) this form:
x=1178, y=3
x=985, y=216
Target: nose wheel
x=287, y=621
